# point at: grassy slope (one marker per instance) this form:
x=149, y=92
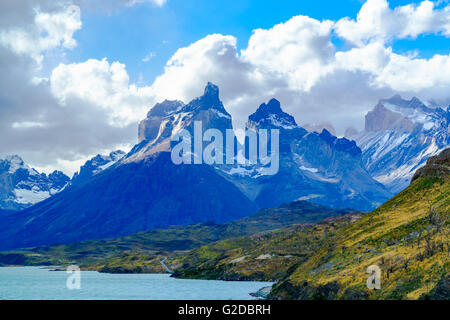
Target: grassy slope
x=141, y=252
x=407, y=237
x=267, y=256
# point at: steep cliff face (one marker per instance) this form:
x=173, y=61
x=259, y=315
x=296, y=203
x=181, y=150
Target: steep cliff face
x=149, y=128
x=168, y=118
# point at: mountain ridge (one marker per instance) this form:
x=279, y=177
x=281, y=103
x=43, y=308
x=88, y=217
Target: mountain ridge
x=399, y=136
x=22, y=186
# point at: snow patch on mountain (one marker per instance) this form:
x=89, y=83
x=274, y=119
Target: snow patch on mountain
x=399, y=136
x=22, y=186
x=95, y=165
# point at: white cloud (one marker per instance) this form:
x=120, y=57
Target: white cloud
x=297, y=63
x=299, y=49
x=103, y=85
x=148, y=57
x=377, y=22
x=33, y=122
x=49, y=30
x=158, y=3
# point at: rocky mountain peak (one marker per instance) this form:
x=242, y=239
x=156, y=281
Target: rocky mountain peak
x=341, y=144
x=399, y=136
x=96, y=165
x=155, y=131
x=397, y=100
x=58, y=179
x=14, y=162
x=381, y=118
x=165, y=108
x=209, y=100
x=14, y=159
x=271, y=115
x=211, y=90
x=22, y=186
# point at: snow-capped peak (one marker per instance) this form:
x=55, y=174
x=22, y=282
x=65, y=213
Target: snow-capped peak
x=413, y=110
x=96, y=165
x=14, y=163
x=22, y=186
x=399, y=136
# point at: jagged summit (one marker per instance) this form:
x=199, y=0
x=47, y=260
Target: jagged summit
x=399, y=101
x=14, y=162
x=211, y=90
x=341, y=144
x=165, y=108
x=96, y=165
x=382, y=118
x=22, y=186
x=271, y=115
x=399, y=136
x=209, y=100
x=14, y=158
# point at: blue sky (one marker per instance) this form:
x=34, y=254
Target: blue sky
x=130, y=34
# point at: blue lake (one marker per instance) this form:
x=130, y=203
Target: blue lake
x=31, y=283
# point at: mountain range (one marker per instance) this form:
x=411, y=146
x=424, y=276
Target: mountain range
x=119, y=194
x=22, y=186
x=144, y=190
x=317, y=167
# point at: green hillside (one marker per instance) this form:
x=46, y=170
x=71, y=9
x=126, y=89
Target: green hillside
x=264, y=256
x=407, y=237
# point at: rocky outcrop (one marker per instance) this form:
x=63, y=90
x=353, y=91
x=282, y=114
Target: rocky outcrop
x=437, y=166
x=149, y=128
x=381, y=118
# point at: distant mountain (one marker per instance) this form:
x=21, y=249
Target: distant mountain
x=22, y=186
x=399, y=136
x=317, y=167
x=96, y=165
